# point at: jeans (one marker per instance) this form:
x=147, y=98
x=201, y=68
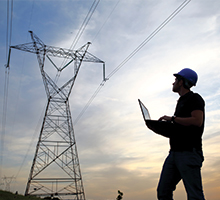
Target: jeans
x=186, y=166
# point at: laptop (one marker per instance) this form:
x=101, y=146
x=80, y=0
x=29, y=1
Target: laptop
x=144, y=110
x=160, y=127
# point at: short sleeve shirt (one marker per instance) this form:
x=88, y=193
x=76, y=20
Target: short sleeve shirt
x=188, y=137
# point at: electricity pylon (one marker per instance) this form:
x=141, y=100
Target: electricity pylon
x=55, y=169
x=7, y=181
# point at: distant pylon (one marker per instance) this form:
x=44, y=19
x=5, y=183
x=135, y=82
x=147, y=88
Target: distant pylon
x=55, y=170
x=7, y=182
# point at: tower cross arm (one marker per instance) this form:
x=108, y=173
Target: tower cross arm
x=91, y=58
x=28, y=47
x=35, y=48
x=81, y=54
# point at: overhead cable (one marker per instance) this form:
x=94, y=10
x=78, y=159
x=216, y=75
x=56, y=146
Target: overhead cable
x=30, y=144
x=7, y=70
x=105, y=21
x=80, y=32
x=31, y=15
x=9, y=25
x=4, y=116
x=157, y=30
x=89, y=102
x=84, y=24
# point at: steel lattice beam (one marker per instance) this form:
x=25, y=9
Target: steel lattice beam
x=38, y=47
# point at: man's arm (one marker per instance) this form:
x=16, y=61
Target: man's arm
x=196, y=119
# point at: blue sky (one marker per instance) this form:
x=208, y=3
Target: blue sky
x=116, y=150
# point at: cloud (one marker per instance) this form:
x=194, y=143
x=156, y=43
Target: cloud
x=116, y=150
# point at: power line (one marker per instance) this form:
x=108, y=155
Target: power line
x=103, y=82
x=7, y=70
x=80, y=32
x=31, y=143
x=105, y=21
x=10, y=35
x=7, y=30
x=84, y=24
x=157, y=30
x=89, y=102
x=9, y=25
x=31, y=15
x=4, y=115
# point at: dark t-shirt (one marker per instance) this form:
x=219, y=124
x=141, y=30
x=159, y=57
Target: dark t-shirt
x=188, y=137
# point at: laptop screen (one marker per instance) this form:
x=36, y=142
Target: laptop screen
x=144, y=111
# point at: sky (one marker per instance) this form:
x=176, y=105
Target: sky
x=115, y=148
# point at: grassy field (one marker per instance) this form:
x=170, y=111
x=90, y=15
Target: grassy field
x=4, y=195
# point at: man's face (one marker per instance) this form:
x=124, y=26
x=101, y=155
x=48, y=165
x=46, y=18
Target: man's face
x=177, y=85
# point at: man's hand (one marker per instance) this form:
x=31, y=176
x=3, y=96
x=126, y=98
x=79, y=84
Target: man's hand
x=196, y=119
x=165, y=118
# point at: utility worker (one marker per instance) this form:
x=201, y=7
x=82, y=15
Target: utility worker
x=185, y=158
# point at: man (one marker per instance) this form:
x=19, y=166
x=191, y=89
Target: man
x=185, y=158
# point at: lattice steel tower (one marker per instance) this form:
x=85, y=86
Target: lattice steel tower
x=55, y=169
